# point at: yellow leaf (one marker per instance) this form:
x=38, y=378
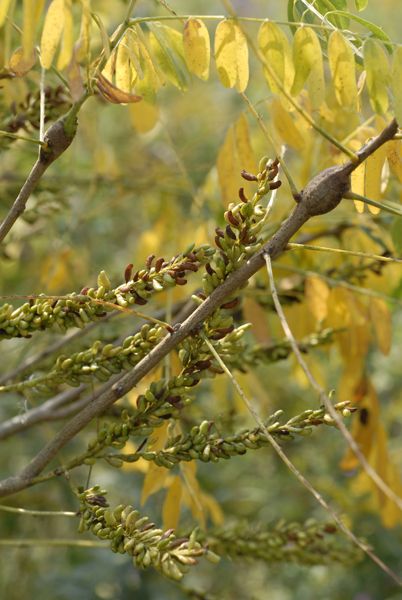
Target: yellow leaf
x=144, y=116
x=396, y=83
x=67, y=42
x=394, y=157
x=244, y=149
x=382, y=324
x=4, y=6
x=378, y=75
x=231, y=55
x=308, y=63
x=112, y=94
x=156, y=476
x=342, y=65
x=51, y=34
x=171, y=505
x=197, y=49
x=256, y=315
x=82, y=47
x=19, y=65
x=123, y=68
x=148, y=81
x=317, y=293
x=213, y=508
x=227, y=167
x=192, y=492
x=365, y=423
x=357, y=184
x=285, y=126
x=277, y=53
x=28, y=28
x=372, y=180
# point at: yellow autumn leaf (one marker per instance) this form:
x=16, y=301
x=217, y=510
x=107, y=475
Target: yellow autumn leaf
x=243, y=145
x=28, y=27
x=144, y=116
x=155, y=478
x=382, y=324
x=67, y=42
x=82, y=46
x=285, y=126
x=122, y=67
x=396, y=83
x=343, y=70
x=171, y=505
x=231, y=55
x=394, y=157
x=390, y=513
x=278, y=61
x=51, y=33
x=256, y=315
x=227, y=167
x=4, y=6
x=197, y=51
x=308, y=64
x=357, y=180
x=317, y=293
x=378, y=74
x=373, y=173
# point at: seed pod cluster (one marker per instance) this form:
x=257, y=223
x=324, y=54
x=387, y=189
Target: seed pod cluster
x=98, y=362
x=130, y=533
x=204, y=443
x=163, y=400
x=77, y=310
x=309, y=543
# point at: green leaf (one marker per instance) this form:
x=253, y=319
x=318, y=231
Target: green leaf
x=375, y=29
x=167, y=44
x=361, y=4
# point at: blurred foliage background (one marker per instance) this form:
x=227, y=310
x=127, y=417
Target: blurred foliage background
x=118, y=195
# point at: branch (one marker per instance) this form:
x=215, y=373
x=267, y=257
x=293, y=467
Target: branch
x=321, y=195
x=57, y=139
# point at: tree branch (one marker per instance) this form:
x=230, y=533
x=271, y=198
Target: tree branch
x=321, y=195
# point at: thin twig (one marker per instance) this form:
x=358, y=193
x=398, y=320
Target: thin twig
x=324, y=399
x=37, y=513
x=299, y=476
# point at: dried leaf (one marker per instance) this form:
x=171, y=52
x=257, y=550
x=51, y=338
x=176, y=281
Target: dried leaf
x=75, y=83
x=171, y=505
x=378, y=74
x=112, y=94
x=51, y=33
x=231, y=55
x=342, y=65
x=19, y=65
x=197, y=51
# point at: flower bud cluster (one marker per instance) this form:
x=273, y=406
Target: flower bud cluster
x=130, y=533
x=77, y=310
x=311, y=543
x=201, y=443
x=100, y=361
